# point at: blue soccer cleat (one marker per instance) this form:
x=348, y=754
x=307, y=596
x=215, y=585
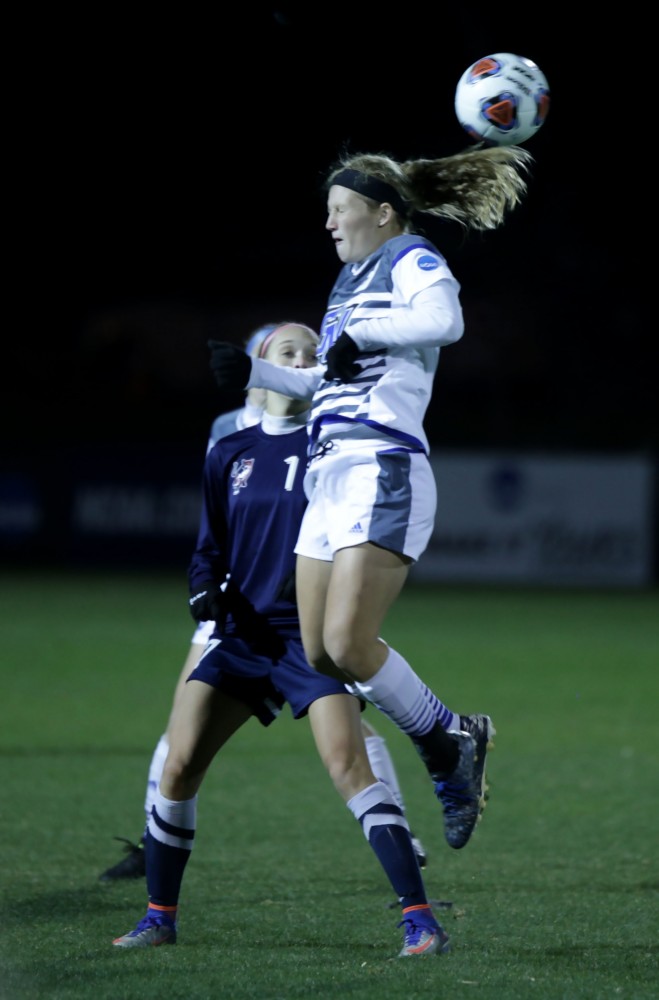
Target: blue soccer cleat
x=460, y=794
x=153, y=930
x=423, y=935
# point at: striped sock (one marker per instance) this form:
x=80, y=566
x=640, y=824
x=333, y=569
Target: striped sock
x=168, y=844
x=388, y=834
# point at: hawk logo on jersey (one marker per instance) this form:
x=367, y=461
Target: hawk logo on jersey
x=240, y=473
x=333, y=325
x=427, y=263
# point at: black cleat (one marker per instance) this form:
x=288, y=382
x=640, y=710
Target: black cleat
x=133, y=865
x=460, y=793
x=482, y=731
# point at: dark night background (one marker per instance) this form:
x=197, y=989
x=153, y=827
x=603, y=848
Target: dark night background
x=166, y=188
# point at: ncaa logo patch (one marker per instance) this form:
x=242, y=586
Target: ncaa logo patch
x=427, y=263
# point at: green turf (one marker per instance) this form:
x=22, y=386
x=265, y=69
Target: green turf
x=556, y=896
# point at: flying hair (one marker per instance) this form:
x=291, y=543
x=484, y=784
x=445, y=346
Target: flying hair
x=475, y=188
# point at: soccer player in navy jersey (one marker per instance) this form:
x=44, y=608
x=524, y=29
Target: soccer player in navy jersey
x=254, y=662
x=372, y=496
x=133, y=865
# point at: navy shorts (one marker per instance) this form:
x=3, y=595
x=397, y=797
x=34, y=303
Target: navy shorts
x=264, y=684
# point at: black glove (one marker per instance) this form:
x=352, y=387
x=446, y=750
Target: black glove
x=230, y=365
x=209, y=605
x=340, y=360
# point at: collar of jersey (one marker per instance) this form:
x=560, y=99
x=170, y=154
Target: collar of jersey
x=283, y=425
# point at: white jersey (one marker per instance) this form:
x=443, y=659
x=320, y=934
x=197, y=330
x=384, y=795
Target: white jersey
x=400, y=306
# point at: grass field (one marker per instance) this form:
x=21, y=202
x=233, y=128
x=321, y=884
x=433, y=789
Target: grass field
x=556, y=896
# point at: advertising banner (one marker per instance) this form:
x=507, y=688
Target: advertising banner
x=544, y=519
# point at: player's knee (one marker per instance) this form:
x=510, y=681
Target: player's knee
x=177, y=777
x=347, y=652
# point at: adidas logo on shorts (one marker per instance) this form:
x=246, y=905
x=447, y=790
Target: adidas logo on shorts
x=356, y=529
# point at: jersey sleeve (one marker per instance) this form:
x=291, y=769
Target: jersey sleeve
x=431, y=317
x=225, y=424
x=209, y=560
x=298, y=383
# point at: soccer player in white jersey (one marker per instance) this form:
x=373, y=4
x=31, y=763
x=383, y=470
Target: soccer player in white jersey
x=372, y=495
x=133, y=865
x=255, y=662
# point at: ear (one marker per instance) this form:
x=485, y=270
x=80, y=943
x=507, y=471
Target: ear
x=386, y=214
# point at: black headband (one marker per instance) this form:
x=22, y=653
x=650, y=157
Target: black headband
x=370, y=187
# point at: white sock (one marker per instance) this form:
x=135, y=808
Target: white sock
x=173, y=823
x=364, y=807
x=155, y=773
x=382, y=766
x=403, y=697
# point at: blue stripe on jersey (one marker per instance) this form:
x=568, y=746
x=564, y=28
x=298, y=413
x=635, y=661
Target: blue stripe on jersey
x=410, y=443
x=359, y=292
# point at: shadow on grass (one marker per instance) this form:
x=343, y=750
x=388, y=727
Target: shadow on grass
x=63, y=905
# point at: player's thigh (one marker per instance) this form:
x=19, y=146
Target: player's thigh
x=312, y=577
x=364, y=584
x=205, y=718
x=191, y=661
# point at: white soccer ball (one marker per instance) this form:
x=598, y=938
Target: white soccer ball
x=502, y=99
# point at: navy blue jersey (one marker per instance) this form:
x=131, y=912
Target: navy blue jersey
x=252, y=505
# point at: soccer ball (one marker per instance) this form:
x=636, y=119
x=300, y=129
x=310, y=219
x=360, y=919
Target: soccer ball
x=502, y=99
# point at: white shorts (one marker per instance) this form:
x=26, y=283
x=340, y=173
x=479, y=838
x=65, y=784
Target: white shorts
x=203, y=632
x=358, y=494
